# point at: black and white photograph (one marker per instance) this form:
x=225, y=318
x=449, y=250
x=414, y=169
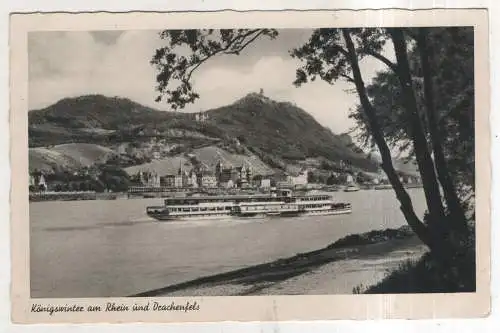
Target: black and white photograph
x=208, y=162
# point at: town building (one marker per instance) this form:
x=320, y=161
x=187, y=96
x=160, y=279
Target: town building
x=188, y=178
x=284, y=184
x=168, y=181
x=298, y=179
x=265, y=183
x=122, y=148
x=241, y=175
x=201, y=116
x=193, y=179
x=207, y=179
x=149, y=178
x=156, y=151
x=178, y=181
x=228, y=184
x=37, y=182
x=153, y=179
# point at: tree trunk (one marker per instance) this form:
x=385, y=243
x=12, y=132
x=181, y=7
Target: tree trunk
x=450, y=194
x=424, y=159
x=404, y=199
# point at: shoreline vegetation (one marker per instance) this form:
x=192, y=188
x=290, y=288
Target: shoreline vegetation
x=395, y=251
x=75, y=196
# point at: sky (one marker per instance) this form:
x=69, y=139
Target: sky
x=117, y=63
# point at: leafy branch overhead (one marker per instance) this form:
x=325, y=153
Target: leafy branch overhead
x=326, y=56
x=186, y=50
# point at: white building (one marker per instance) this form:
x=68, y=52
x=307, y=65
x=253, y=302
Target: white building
x=42, y=184
x=227, y=184
x=122, y=149
x=299, y=179
x=208, y=180
x=193, y=182
x=201, y=116
x=265, y=183
x=153, y=180
x=178, y=181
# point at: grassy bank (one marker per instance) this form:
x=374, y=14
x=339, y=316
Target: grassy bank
x=427, y=275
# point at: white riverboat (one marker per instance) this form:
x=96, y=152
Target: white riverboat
x=276, y=204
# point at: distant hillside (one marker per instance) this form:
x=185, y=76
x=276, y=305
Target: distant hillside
x=67, y=156
x=162, y=167
x=207, y=156
x=276, y=133
x=97, y=112
x=91, y=118
x=283, y=129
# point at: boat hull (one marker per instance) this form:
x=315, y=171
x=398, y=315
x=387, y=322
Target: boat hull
x=160, y=216
x=166, y=217
x=327, y=212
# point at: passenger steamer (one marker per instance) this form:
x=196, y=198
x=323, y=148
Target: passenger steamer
x=277, y=204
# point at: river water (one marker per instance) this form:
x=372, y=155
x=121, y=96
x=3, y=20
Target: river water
x=111, y=248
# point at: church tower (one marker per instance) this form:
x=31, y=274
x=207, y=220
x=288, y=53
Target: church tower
x=179, y=172
x=249, y=173
x=218, y=170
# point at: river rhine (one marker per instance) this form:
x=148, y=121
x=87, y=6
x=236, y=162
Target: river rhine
x=111, y=248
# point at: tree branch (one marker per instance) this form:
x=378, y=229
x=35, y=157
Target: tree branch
x=225, y=49
x=188, y=76
x=246, y=44
x=348, y=78
x=237, y=39
x=342, y=50
x=380, y=57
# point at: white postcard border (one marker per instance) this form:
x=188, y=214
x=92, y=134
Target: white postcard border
x=249, y=308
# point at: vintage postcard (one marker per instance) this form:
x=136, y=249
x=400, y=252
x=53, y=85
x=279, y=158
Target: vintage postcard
x=250, y=166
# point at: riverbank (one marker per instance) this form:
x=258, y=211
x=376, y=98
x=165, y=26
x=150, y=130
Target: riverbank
x=75, y=196
x=150, y=193
x=340, y=268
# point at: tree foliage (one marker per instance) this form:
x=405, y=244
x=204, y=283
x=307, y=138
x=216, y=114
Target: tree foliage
x=186, y=50
x=453, y=78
